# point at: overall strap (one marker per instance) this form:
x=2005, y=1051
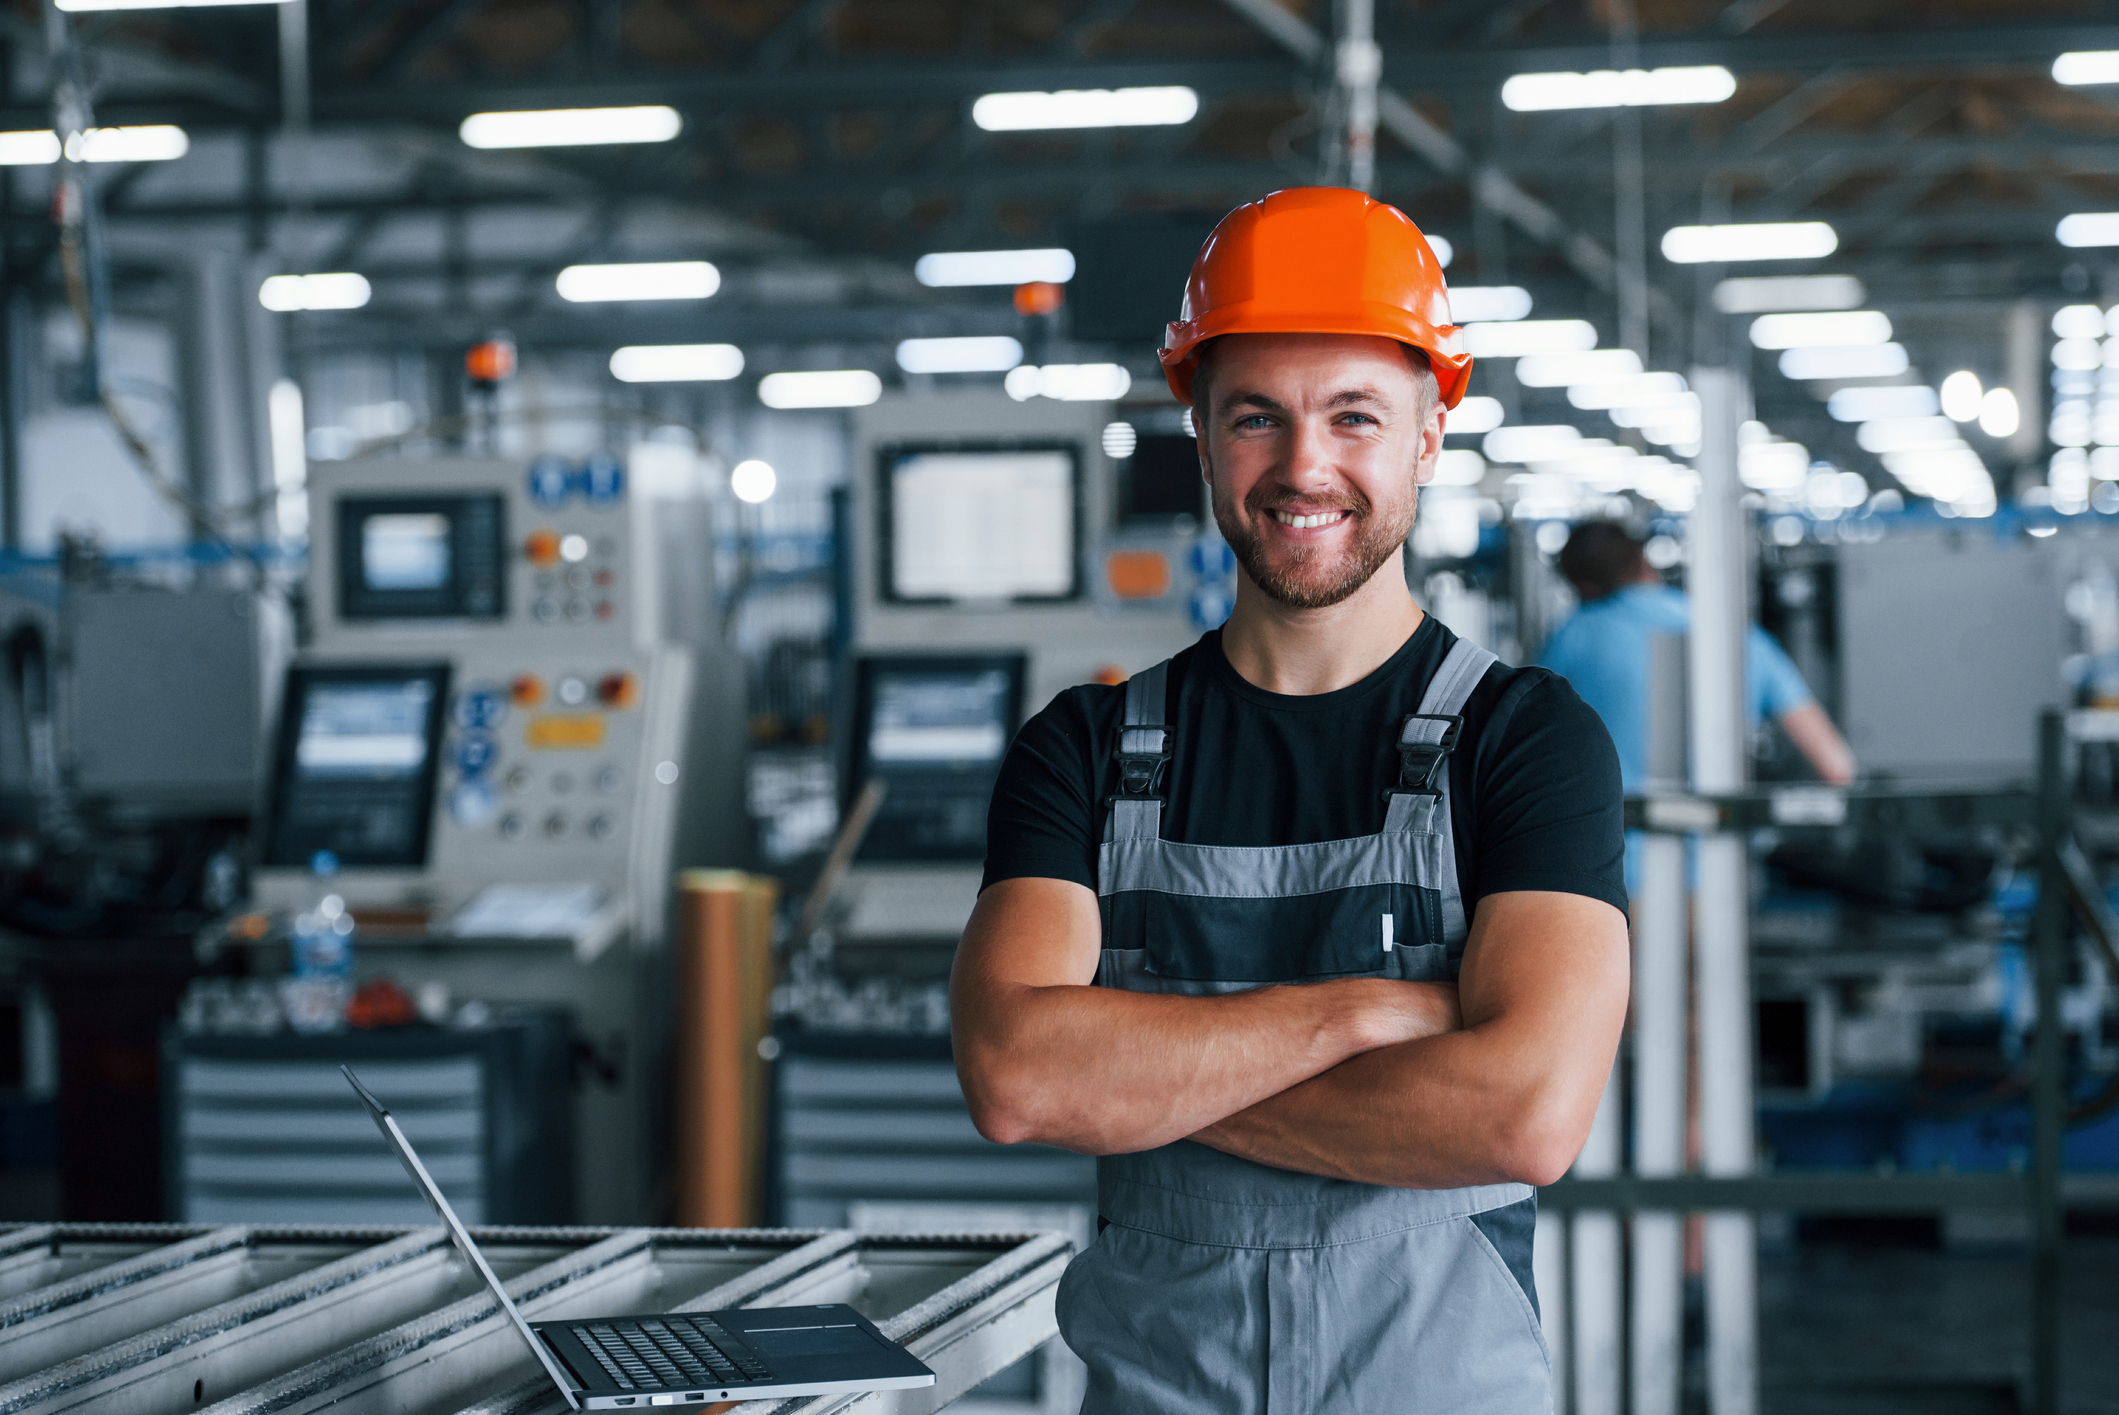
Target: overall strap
x=1143, y=758
x=1427, y=737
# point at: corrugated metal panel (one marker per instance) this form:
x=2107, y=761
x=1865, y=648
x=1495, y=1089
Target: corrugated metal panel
x=129, y=1320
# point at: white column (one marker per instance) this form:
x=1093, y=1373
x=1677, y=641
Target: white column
x=1548, y=1270
x=1594, y=1264
x=1358, y=65
x=1716, y=581
x=1659, y=1046
x=1661, y=1005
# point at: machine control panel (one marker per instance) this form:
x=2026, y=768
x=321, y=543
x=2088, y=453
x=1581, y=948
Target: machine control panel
x=549, y=548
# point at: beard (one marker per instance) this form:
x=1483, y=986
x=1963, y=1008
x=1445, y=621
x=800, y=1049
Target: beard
x=1313, y=576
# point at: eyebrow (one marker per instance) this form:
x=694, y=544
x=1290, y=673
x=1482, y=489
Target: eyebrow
x=1344, y=398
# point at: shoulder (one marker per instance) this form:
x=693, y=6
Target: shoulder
x=1535, y=708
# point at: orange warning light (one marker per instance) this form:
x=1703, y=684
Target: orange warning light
x=618, y=690
x=527, y=691
x=1039, y=297
x=541, y=547
x=1111, y=675
x=490, y=361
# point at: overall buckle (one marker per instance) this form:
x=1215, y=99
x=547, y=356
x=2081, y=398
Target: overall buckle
x=1141, y=775
x=1420, y=763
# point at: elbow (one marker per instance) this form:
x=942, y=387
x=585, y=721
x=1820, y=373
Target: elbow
x=1004, y=1103
x=1541, y=1144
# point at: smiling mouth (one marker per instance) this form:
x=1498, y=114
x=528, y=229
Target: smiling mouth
x=1303, y=522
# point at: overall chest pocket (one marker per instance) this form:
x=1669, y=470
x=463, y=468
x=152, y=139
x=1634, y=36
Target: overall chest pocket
x=1383, y=930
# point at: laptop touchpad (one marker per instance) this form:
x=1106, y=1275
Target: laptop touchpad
x=811, y=1342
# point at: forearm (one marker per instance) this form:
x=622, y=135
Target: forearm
x=1820, y=743
x=1104, y=1071
x=1438, y=1113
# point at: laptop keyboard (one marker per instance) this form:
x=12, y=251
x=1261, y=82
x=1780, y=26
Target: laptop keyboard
x=669, y=1351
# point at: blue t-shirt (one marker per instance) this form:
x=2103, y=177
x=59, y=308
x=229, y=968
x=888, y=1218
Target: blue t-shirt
x=1604, y=652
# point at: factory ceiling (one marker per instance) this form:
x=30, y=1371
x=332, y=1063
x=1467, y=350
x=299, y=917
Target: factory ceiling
x=828, y=143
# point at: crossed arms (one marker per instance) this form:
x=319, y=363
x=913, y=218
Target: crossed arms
x=1417, y=1085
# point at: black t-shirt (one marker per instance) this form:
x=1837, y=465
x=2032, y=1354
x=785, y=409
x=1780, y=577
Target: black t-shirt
x=1534, y=782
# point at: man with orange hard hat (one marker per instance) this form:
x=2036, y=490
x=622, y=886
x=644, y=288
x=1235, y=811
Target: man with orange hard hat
x=1314, y=934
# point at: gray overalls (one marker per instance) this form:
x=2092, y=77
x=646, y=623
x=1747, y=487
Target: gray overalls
x=1221, y=1286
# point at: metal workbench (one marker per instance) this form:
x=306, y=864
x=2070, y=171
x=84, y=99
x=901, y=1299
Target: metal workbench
x=149, y=1319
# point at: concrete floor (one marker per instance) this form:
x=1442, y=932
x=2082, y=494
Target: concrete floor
x=1871, y=1330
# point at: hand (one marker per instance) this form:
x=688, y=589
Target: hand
x=1387, y=1011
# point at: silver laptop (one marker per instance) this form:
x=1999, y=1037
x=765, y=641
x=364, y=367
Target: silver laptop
x=682, y=1358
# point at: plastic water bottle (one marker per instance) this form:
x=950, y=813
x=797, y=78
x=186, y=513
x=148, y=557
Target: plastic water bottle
x=322, y=983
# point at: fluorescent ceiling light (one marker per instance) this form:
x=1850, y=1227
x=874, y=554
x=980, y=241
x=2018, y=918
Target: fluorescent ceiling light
x=1459, y=466
x=1773, y=466
x=942, y=268
x=1071, y=383
x=978, y=353
x=2069, y=321
x=1586, y=366
x=1119, y=440
x=1470, y=304
x=2081, y=66
x=1085, y=108
x=1857, y=361
x=1475, y=415
x=77, y=6
x=1771, y=294
x=752, y=480
x=676, y=363
x=2088, y=228
x=2078, y=355
x=646, y=280
x=1999, y=415
x=1907, y=434
x=1529, y=336
x=153, y=142
x=1627, y=392
x=34, y=148
x=571, y=127
x=1763, y=240
x=1817, y=331
x=1618, y=88
x=1960, y=396
x=1678, y=413
x=342, y=290
x=824, y=388
x=1891, y=400
x=1536, y=443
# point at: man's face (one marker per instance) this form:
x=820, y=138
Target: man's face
x=1315, y=447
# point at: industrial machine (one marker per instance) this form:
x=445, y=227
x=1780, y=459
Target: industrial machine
x=484, y=753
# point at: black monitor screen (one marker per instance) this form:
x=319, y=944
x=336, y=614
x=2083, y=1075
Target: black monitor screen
x=422, y=557
x=358, y=750
x=1161, y=481
x=934, y=731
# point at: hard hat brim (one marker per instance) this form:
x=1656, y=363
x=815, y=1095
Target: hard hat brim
x=1443, y=346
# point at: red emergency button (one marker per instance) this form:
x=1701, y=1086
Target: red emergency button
x=541, y=547
x=618, y=690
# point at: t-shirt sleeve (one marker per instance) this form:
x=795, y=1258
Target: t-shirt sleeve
x=1551, y=811
x=1042, y=822
x=1777, y=685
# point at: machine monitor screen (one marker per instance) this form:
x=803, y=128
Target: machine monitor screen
x=980, y=524
x=934, y=730
x=358, y=751
x=422, y=557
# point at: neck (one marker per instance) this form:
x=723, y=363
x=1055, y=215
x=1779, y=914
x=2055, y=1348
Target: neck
x=1301, y=652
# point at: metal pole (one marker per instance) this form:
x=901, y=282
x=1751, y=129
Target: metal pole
x=1719, y=622
x=1358, y=63
x=1594, y=1264
x=2048, y=1095
x=1661, y=998
x=1629, y=187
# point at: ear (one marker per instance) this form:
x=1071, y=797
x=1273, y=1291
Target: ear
x=1430, y=455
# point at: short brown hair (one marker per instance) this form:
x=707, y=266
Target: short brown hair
x=1601, y=558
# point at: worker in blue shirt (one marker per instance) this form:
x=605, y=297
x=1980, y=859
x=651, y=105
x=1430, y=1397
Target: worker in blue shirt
x=1604, y=650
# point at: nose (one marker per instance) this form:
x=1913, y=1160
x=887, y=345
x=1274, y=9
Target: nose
x=1309, y=465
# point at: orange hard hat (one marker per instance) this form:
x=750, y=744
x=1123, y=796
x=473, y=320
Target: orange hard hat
x=1318, y=260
